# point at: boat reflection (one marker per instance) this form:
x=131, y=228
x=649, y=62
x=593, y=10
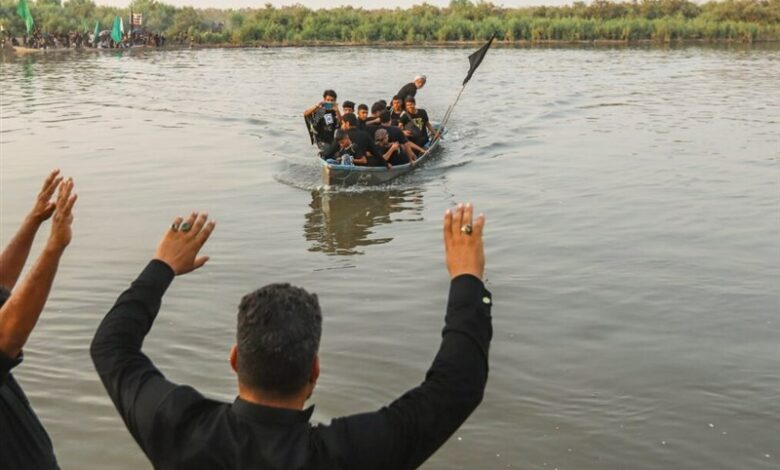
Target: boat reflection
x=342, y=223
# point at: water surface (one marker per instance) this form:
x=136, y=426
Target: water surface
x=632, y=239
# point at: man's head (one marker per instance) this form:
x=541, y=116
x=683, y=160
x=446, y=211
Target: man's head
x=279, y=330
x=397, y=104
x=419, y=81
x=385, y=118
x=362, y=113
x=342, y=138
x=381, y=137
x=329, y=96
x=411, y=104
x=348, y=121
x=347, y=107
x=377, y=108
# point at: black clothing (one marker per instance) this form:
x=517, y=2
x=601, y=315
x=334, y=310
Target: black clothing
x=178, y=428
x=362, y=143
x=325, y=124
x=418, y=124
x=410, y=89
x=395, y=134
x=24, y=443
x=395, y=118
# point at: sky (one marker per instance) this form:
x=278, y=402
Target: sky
x=227, y=4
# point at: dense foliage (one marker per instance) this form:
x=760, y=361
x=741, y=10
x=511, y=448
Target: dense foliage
x=463, y=20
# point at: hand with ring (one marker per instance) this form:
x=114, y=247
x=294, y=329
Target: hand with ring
x=180, y=245
x=463, y=242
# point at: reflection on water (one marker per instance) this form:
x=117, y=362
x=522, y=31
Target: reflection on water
x=340, y=223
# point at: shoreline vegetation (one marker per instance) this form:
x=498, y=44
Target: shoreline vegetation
x=463, y=22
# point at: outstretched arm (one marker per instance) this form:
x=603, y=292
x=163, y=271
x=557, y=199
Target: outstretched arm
x=408, y=431
x=20, y=313
x=132, y=381
x=15, y=255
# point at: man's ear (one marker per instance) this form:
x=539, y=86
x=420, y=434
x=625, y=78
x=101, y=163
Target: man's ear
x=234, y=358
x=315, y=370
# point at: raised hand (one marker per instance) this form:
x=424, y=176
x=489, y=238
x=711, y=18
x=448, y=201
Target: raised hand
x=180, y=245
x=63, y=216
x=44, y=207
x=463, y=242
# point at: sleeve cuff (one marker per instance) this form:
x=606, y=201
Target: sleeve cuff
x=158, y=274
x=465, y=287
x=8, y=363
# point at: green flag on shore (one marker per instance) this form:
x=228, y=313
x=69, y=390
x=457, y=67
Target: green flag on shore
x=116, y=32
x=24, y=11
x=97, y=30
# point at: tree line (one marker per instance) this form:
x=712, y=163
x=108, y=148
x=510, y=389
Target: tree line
x=462, y=20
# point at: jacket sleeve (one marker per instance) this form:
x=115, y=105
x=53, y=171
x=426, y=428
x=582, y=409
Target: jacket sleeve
x=408, y=431
x=134, y=384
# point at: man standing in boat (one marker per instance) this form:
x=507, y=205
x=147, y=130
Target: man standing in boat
x=324, y=117
x=410, y=89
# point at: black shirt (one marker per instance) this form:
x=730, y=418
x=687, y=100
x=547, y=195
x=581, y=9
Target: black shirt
x=325, y=124
x=178, y=428
x=410, y=89
x=24, y=443
x=362, y=143
x=418, y=124
x=395, y=134
x=395, y=117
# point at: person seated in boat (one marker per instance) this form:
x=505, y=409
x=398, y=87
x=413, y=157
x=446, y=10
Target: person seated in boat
x=416, y=124
x=325, y=117
x=396, y=109
x=362, y=115
x=410, y=89
x=382, y=141
x=363, y=144
x=395, y=134
x=347, y=108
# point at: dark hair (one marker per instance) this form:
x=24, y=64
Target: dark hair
x=351, y=119
x=384, y=103
x=340, y=134
x=384, y=116
x=377, y=107
x=410, y=99
x=348, y=104
x=362, y=106
x=327, y=93
x=279, y=330
x=396, y=97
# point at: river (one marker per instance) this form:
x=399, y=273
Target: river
x=633, y=239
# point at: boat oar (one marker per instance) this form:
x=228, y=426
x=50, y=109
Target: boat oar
x=474, y=60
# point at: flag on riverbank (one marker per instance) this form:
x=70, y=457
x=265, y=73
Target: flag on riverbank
x=116, y=31
x=97, y=31
x=24, y=11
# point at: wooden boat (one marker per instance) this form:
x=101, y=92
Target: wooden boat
x=334, y=174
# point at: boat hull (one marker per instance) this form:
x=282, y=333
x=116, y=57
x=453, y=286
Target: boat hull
x=341, y=175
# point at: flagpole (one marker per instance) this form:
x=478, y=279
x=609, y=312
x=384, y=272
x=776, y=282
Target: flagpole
x=475, y=59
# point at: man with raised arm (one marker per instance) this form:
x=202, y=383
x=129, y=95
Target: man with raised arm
x=24, y=443
x=276, y=360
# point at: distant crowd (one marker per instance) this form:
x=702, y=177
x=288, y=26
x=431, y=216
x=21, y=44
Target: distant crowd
x=382, y=135
x=101, y=40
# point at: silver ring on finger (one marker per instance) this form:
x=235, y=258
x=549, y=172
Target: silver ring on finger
x=185, y=227
x=175, y=226
x=467, y=229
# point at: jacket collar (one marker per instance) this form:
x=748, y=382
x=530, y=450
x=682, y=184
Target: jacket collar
x=269, y=415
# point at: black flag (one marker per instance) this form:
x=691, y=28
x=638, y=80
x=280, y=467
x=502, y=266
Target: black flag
x=476, y=58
